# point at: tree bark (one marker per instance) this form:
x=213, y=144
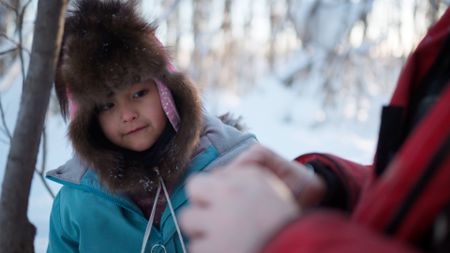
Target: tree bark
x=18, y=233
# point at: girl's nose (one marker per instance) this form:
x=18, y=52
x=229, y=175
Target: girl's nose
x=128, y=115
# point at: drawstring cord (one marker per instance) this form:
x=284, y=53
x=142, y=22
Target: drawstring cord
x=172, y=212
x=148, y=229
x=152, y=216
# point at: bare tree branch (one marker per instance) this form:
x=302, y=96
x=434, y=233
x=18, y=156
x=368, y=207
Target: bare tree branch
x=20, y=14
x=7, y=51
x=20, y=27
x=7, y=5
x=41, y=172
x=5, y=128
x=17, y=44
x=44, y=182
x=17, y=231
x=8, y=38
x=44, y=150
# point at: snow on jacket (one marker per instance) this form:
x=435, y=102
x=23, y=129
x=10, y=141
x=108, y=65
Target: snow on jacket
x=87, y=218
x=402, y=202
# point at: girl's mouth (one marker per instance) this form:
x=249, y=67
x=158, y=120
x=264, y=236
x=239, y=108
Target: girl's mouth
x=136, y=130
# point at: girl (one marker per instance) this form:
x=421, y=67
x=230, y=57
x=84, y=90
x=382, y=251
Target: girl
x=138, y=131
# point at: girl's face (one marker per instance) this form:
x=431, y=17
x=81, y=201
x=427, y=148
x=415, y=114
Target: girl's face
x=133, y=118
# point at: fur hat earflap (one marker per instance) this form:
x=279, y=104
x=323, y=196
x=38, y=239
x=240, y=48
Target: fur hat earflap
x=106, y=47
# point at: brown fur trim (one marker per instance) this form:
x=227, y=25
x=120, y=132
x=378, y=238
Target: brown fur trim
x=106, y=47
x=109, y=47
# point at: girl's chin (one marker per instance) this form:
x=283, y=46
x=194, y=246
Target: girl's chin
x=139, y=148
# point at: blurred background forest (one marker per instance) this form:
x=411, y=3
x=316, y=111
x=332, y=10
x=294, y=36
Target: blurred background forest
x=314, y=72
x=346, y=51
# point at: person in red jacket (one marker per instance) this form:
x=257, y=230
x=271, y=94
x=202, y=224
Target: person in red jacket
x=323, y=203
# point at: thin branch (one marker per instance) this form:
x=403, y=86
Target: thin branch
x=44, y=182
x=8, y=38
x=4, y=131
x=7, y=5
x=44, y=149
x=20, y=28
x=17, y=44
x=41, y=172
x=3, y=118
x=8, y=51
x=22, y=12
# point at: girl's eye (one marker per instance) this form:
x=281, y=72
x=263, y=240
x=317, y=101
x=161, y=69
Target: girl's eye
x=139, y=94
x=105, y=107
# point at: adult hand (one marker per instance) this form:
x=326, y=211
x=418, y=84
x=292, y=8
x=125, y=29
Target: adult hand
x=307, y=187
x=235, y=210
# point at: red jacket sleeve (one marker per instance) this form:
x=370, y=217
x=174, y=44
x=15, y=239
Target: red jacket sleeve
x=344, y=179
x=341, y=235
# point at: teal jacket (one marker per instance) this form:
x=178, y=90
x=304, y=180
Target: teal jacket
x=86, y=217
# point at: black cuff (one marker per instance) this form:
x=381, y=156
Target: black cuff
x=336, y=195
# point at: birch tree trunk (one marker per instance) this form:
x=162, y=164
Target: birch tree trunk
x=18, y=233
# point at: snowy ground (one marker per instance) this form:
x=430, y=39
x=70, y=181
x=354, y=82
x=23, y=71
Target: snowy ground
x=281, y=120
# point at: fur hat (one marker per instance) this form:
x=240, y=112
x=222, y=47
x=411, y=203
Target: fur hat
x=107, y=46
